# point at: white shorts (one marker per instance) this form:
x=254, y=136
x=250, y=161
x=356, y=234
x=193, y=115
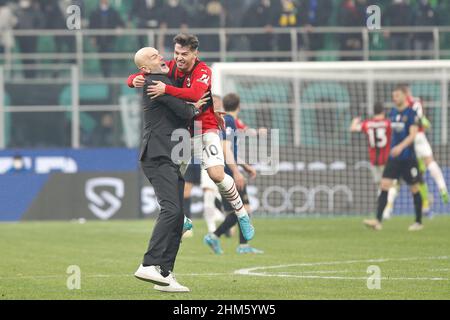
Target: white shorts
x=422, y=146
x=377, y=173
x=208, y=150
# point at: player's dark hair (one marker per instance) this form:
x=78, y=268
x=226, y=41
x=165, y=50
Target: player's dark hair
x=378, y=108
x=186, y=40
x=402, y=87
x=231, y=102
x=403, y=84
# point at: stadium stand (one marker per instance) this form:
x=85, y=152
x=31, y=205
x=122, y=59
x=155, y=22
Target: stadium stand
x=329, y=51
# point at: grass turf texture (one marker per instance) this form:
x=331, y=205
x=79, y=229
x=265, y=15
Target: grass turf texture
x=35, y=257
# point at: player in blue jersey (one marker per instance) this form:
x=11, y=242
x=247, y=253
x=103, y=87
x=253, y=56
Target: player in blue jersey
x=402, y=162
x=231, y=104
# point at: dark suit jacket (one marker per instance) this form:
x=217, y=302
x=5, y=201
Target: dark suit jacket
x=162, y=116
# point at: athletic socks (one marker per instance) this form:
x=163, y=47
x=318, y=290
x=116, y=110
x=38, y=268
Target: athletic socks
x=437, y=175
x=209, y=210
x=392, y=195
x=423, y=189
x=418, y=206
x=229, y=191
x=228, y=223
x=382, y=201
x=218, y=203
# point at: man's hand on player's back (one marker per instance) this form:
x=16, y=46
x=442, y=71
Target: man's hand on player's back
x=157, y=89
x=200, y=103
x=139, y=81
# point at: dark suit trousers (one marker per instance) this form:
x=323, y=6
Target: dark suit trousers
x=168, y=183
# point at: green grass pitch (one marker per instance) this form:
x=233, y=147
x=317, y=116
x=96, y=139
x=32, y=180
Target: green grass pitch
x=308, y=259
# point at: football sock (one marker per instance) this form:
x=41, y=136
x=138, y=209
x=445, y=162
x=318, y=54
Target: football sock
x=227, y=224
x=229, y=191
x=209, y=209
x=218, y=203
x=437, y=175
x=422, y=166
x=423, y=189
x=392, y=195
x=418, y=206
x=382, y=201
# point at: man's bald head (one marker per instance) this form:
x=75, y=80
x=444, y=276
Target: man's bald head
x=144, y=55
x=148, y=60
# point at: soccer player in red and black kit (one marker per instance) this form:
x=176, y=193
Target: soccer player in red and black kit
x=193, y=79
x=378, y=131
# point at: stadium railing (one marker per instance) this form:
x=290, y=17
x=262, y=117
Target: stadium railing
x=63, y=112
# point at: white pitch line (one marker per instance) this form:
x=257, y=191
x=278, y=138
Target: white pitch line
x=253, y=271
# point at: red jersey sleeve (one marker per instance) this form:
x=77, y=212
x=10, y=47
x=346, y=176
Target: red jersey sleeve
x=200, y=83
x=364, y=126
x=132, y=77
x=240, y=124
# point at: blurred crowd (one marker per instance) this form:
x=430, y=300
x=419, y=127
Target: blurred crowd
x=262, y=14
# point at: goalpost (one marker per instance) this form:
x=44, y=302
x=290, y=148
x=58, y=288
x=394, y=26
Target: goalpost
x=324, y=169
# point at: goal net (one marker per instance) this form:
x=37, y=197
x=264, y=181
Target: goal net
x=324, y=169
